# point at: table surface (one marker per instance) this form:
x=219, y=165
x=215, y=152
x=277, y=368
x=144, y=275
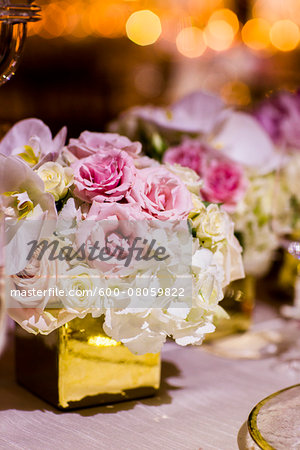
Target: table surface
x=203, y=403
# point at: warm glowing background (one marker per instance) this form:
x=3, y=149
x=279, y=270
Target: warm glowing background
x=88, y=59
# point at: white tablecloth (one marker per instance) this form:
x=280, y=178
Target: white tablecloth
x=203, y=403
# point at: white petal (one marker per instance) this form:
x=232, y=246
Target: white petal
x=243, y=140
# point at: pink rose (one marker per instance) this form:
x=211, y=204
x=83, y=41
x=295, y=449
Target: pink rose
x=112, y=228
x=90, y=143
x=189, y=154
x=224, y=182
x=104, y=177
x=163, y=195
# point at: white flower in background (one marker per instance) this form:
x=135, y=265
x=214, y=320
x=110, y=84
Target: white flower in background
x=57, y=179
x=197, y=113
x=243, y=140
x=289, y=199
x=259, y=251
x=253, y=219
x=292, y=174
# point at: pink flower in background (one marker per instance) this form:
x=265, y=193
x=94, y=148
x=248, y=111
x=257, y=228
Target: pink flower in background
x=189, y=154
x=280, y=117
x=90, y=143
x=163, y=195
x=223, y=179
x=107, y=176
x=223, y=182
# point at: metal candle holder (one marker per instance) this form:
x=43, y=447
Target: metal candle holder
x=14, y=16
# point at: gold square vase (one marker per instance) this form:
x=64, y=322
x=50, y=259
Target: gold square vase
x=78, y=365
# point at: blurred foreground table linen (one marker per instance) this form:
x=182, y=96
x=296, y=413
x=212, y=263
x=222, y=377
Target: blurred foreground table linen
x=203, y=403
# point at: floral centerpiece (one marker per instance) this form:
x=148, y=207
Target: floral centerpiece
x=94, y=228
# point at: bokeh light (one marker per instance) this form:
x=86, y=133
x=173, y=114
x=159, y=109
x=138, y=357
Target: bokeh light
x=107, y=22
x=190, y=42
x=143, y=27
x=228, y=16
x=256, y=34
x=219, y=35
x=285, y=35
x=52, y=26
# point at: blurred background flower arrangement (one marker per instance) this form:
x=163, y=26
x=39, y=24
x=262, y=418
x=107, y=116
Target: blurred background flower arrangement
x=237, y=159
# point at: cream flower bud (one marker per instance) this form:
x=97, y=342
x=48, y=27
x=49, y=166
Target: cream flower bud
x=213, y=224
x=188, y=176
x=56, y=178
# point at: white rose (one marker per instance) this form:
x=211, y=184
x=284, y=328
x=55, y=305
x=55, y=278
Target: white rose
x=57, y=179
x=188, y=176
x=213, y=224
x=82, y=288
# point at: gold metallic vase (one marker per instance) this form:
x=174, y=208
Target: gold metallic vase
x=288, y=277
x=238, y=303
x=78, y=365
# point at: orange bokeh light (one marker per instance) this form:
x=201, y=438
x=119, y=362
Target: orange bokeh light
x=256, y=34
x=53, y=22
x=190, y=42
x=219, y=35
x=228, y=16
x=108, y=22
x=285, y=35
x=143, y=27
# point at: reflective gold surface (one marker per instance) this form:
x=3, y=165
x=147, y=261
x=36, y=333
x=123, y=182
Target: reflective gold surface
x=79, y=365
x=238, y=302
x=288, y=274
